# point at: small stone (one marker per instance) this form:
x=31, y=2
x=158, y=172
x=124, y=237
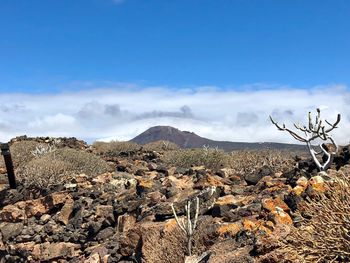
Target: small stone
x=317, y=183
x=125, y=222
x=37, y=239
x=271, y=204
x=298, y=190
x=152, y=166
x=164, y=170
x=255, y=208
x=70, y=186
x=280, y=217
x=66, y=211
x=128, y=243
x=302, y=182
x=105, y=212
x=45, y=218
x=105, y=233
x=94, y=258
x=226, y=212
x=249, y=225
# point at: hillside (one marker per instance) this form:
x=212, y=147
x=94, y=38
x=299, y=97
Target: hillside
x=186, y=139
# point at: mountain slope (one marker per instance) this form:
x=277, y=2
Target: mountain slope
x=187, y=139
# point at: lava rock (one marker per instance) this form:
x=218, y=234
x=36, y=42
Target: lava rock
x=254, y=178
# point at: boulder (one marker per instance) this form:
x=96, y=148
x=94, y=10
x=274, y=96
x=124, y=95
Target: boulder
x=229, y=229
x=271, y=204
x=254, y=178
x=49, y=251
x=11, y=213
x=280, y=217
x=10, y=230
x=66, y=211
x=38, y=207
x=105, y=213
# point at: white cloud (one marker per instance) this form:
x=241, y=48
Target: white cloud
x=123, y=111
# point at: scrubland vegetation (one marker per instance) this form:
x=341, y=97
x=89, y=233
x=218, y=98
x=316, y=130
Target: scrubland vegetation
x=274, y=219
x=40, y=166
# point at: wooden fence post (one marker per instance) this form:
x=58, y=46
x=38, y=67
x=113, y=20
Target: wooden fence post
x=5, y=151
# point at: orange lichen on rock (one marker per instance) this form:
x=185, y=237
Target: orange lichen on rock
x=302, y=181
x=280, y=217
x=249, y=225
x=298, y=190
x=169, y=226
x=214, y=181
x=230, y=229
x=145, y=183
x=317, y=183
x=265, y=229
x=271, y=204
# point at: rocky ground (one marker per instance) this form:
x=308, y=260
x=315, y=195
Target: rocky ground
x=126, y=215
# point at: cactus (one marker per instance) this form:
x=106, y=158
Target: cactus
x=315, y=130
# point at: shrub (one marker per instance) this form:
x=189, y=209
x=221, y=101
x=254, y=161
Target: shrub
x=43, y=149
x=114, y=148
x=250, y=161
x=325, y=236
x=160, y=146
x=22, y=152
x=80, y=161
x=211, y=158
x=43, y=172
x=58, y=166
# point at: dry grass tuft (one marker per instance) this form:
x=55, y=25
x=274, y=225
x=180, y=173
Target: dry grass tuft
x=326, y=236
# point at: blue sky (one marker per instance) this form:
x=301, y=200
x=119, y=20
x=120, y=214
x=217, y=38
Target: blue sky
x=109, y=69
x=53, y=45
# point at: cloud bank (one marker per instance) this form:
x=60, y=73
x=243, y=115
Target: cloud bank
x=123, y=111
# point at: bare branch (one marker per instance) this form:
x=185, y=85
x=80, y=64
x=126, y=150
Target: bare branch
x=314, y=131
x=295, y=135
x=333, y=126
x=311, y=127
